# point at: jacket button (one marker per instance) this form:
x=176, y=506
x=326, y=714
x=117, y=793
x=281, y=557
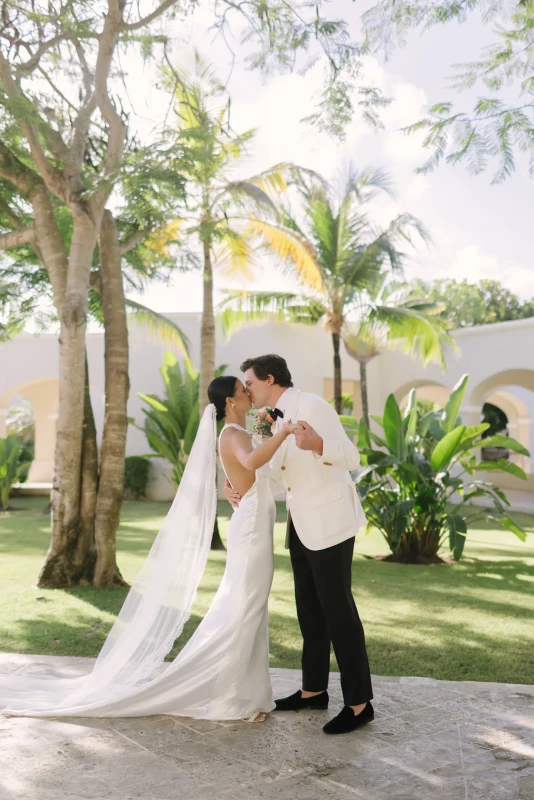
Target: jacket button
x=282, y=467
x=289, y=488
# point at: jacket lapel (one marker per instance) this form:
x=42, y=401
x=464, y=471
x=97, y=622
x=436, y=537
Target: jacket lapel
x=290, y=414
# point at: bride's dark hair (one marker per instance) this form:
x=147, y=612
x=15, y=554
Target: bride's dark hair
x=219, y=390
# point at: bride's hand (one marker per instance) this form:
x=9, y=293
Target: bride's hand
x=291, y=427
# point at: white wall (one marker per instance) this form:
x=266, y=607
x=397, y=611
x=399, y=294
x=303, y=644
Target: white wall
x=496, y=356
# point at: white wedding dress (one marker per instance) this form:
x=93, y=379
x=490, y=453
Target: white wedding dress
x=222, y=672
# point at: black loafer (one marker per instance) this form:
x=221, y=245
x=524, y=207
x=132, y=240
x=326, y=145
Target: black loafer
x=347, y=721
x=296, y=702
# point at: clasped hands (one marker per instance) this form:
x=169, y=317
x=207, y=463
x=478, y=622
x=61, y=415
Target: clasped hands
x=306, y=438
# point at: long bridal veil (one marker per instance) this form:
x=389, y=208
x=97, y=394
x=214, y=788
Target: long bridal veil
x=154, y=612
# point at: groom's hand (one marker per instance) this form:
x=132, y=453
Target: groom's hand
x=307, y=438
x=231, y=495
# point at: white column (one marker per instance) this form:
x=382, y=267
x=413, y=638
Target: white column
x=3, y=423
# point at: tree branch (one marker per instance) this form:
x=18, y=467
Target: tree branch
x=33, y=62
x=12, y=169
x=51, y=176
x=117, y=127
x=132, y=241
x=17, y=238
x=134, y=26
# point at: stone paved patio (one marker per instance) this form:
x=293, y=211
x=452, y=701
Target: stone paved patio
x=431, y=739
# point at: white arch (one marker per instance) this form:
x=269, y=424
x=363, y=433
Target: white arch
x=501, y=380
x=43, y=394
x=426, y=390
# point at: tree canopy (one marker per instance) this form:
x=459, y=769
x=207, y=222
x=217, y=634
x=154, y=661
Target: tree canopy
x=466, y=304
x=495, y=128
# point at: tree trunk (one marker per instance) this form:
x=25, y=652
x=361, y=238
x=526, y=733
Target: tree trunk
x=207, y=330
x=85, y=556
x=81, y=556
x=363, y=390
x=111, y=485
x=337, y=374
x=60, y=568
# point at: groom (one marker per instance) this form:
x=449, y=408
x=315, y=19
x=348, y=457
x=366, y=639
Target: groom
x=324, y=516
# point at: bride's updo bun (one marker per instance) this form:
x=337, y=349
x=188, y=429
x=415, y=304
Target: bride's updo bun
x=219, y=390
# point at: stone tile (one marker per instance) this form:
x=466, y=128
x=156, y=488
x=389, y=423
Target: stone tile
x=425, y=753
x=67, y=787
x=431, y=719
x=59, y=729
x=283, y=789
x=367, y=776
x=525, y=787
x=129, y=770
x=20, y=759
x=183, y=786
x=190, y=754
x=201, y=725
x=329, y=789
x=153, y=733
x=499, y=761
x=431, y=740
x=269, y=747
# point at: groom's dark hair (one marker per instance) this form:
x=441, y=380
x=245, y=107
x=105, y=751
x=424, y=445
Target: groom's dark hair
x=271, y=364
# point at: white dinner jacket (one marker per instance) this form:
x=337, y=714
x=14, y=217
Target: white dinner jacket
x=321, y=497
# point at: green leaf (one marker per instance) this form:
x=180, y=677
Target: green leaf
x=410, y=416
x=457, y=534
x=504, y=441
x=350, y=424
x=411, y=403
x=512, y=526
x=454, y=403
x=393, y=427
x=446, y=448
x=502, y=466
x=364, y=442
x=191, y=429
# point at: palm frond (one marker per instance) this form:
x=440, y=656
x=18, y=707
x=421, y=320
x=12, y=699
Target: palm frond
x=162, y=328
x=240, y=309
x=290, y=248
x=246, y=190
x=414, y=333
x=235, y=256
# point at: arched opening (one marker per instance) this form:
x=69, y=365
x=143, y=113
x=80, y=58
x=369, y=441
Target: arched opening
x=512, y=392
x=20, y=422
x=429, y=393
x=42, y=396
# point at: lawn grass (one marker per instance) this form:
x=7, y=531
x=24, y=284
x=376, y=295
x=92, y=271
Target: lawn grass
x=466, y=621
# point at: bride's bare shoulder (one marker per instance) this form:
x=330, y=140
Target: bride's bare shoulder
x=233, y=436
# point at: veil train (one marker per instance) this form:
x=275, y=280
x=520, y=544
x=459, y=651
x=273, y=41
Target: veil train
x=154, y=612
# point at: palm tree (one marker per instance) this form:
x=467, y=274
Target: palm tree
x=393, y=316
x=349, y=253
x=219, y=209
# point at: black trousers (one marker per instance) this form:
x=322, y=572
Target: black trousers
x=328, y=615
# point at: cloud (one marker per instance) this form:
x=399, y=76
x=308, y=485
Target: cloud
x=473, y=264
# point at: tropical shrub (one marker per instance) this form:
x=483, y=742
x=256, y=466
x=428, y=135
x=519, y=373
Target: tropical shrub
x=172, y=422
x=418, y=478
x=12, y=467
x=136, y=471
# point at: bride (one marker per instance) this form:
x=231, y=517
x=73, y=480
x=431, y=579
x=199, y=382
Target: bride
x=223, y=670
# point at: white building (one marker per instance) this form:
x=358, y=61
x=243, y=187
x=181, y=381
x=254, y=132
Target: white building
x=499, y=358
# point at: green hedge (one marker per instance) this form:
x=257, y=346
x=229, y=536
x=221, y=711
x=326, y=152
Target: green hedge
x=136, y=472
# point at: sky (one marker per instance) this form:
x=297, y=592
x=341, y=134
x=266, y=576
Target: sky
x=479, y=230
